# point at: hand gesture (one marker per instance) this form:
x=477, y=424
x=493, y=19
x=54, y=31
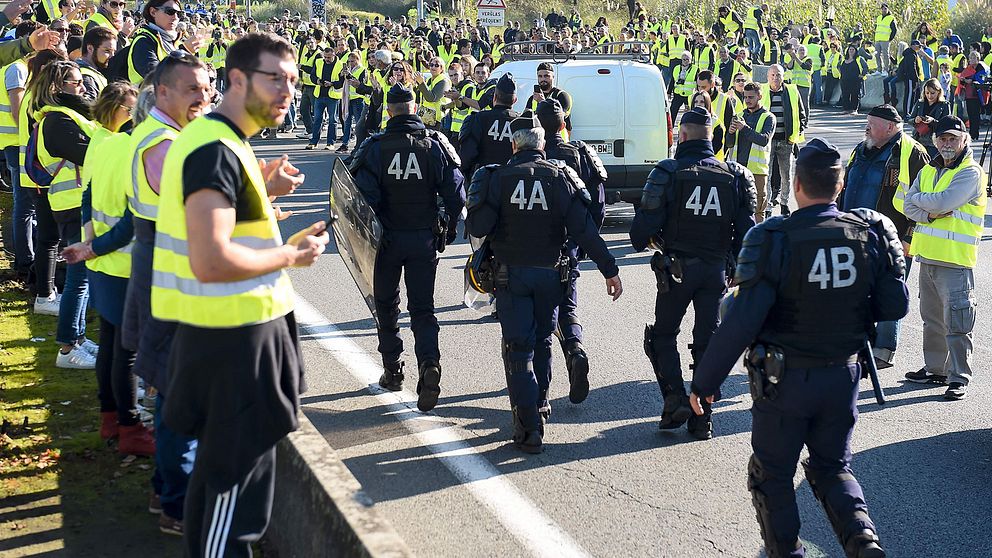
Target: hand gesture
x=78, y=252
x=309, y=244
x=16, y=8
x=127, y=27
x=43, y=39
x=696, y=406
x=539, y=96
x=614, y=287
x=281, y=177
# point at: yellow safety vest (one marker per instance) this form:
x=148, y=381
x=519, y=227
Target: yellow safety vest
x=8, y=129
x=497, y=54
x=813, y=50
x=705, y=58
x=51, y=8
x=24, y=122
x=99, y=19
x=106, y=175
x=953, y=239
x=687, y=85
x=352, y=93
x=132, y=73
x=729, y=25
x=786, y=60
x=307, y=59
x=675, y=47
x=959, y=60
x=66, y=190
x=800, y=76
x=177, y=295
x=433, y=112
x=318, y=68
x=751, y=19
x=447, y=54
x=883, y=28
x=832, y=67
x=758, y=156
x=871, y=63
x=795, y=134
x=101, y=80
x=458, y=115
x=142, y=200
x=906, y=146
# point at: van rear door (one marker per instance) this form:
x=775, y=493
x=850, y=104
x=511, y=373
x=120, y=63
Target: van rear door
x=598, y=113
x=646, y=115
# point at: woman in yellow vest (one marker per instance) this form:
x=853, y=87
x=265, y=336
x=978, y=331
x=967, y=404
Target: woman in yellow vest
x=107, y=251
x=702, y=100
x=431, y=93
x=63, y=131
x=154, y=40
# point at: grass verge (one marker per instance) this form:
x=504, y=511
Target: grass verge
x=63, y=491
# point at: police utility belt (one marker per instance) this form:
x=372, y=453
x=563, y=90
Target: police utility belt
x=766, y=365
x=484, y=273
x=668, y=266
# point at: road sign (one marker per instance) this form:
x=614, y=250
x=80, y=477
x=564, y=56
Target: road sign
x=492, y=17
x=491, y=4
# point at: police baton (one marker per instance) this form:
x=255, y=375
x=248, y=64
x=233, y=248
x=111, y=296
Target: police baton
x=868, y=362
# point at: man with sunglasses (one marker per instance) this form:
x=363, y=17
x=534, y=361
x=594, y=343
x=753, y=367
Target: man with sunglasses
x=110, y=14
x=235, y=365
x=99, y=45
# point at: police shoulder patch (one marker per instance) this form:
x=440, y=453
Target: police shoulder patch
x=659, y=178
x=886, y=231
x=595, y=162
x=479, y=187
x=446, y=146
x=754, y=250
x=357, y=159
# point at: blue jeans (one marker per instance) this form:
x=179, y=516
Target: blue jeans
x=355, y=109
x=887, y=333
x=174, y=456
x=23, y=213
x=76, y=293
x=321, y=104
x=753, y=42
x=816, y=97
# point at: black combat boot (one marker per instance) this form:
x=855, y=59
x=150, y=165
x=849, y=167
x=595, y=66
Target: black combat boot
x=543, y=406
x=429, y=385
x=577, y=363
x=676, y=411
x=701, y=426
x=392, y=376
x=527, y=441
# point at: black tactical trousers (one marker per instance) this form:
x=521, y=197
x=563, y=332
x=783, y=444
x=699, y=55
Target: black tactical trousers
x=703, y=285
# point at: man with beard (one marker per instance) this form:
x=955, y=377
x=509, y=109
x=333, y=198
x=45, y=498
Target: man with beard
x=99, y=44
x=546, y=80
x=878, y=175
x=236, y=368
x=182, y=93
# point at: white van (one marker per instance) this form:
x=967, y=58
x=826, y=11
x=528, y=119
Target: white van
x=619, y=107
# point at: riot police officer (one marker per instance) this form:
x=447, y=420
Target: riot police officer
x=528, y=208
x=485, y=135
x=695, y=210
x=401, y=172
x=811, y=286
x=589, y=167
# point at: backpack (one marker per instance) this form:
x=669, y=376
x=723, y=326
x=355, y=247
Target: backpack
x=117, y=66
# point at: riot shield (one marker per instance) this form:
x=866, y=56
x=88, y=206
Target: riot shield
x=484, y=303
x=357, y=231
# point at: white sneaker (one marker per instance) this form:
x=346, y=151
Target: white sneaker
x=89, y=346
x=77, y=358
x=48, y=306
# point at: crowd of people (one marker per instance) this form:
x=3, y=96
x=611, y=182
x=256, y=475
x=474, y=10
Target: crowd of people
x=126, y=144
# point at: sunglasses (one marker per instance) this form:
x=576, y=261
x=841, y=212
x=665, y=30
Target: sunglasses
x=434, y=65
x=117, y=4
x=169, y=11
x=60, y=29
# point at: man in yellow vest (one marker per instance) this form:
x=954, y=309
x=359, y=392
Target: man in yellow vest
x=15, y=77
x=878, y=174
x=885, y=32
x=753, y=132
x=754, y=28
x=947, y=201
x=99, y=45
x=219, y=273
x=791, y=120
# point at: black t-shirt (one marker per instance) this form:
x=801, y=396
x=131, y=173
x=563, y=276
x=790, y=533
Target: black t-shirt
x=214, y=166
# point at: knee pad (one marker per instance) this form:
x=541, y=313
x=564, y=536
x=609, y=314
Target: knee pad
x=774, y=547
x=849, y=522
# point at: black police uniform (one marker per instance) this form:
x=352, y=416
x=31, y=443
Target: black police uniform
x=700, y=208
x=811, y=286
x=485, y=135
x=527, y=208
x=589, y=167
x=401, y=172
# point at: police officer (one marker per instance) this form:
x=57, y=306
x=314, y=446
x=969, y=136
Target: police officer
x=811, y=286
x=589, y=167
x=485, y=135
x=401, y=172
x=695, y=210
x=529, y=207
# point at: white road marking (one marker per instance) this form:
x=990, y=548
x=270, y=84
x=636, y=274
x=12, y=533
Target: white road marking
x=537, y=532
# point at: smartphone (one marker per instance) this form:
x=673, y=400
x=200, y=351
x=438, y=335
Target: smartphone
x=537, y=88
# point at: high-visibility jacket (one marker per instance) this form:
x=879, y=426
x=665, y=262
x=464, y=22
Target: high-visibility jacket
x=959, y=61
x=705, y=57
x=793, y=126
x=751, y=18
x=675, y=46
x=906, y=147
x=100, y=79
x=814, y=51
x=658, y=53
x=870, y=62
x=497, y=53
x=318, y=68
x=787, y=59
x=458, y=115
x=353, y=93
x=769, y=52
x=66, y=190
x=306, y=61
x=142, y=200
x=953, y=239
x=447, y=54
x=759, y=155
x=883, y=28
x=99, y=19
x=8, y=129
x=434, y=110
x=177, y=295
x=106, y=175
x=832, y=67
x=685, y=86
x=215, y=54
x=24, y=122
x=52, y=9
x=729, y=25
x=160, y=51
x=800, y=76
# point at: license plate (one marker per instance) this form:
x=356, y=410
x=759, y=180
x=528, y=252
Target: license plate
x=601, y=147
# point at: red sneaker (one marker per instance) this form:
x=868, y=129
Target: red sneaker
x=108, y=425
x=136, y=440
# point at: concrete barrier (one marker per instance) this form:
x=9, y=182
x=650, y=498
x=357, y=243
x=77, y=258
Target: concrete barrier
x=320, y=508
x=874, y=89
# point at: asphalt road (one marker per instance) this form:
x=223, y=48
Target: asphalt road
x=609, y=483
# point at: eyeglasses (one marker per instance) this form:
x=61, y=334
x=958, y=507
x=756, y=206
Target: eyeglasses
x=169, y=11
x=277, y=78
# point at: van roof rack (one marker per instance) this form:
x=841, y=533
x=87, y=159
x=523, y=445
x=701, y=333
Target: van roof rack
x=639, y=51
